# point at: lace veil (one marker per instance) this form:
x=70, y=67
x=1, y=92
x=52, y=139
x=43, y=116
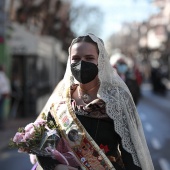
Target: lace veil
x=119, y=106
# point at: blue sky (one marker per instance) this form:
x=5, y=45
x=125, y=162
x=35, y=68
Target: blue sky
x=118, y=11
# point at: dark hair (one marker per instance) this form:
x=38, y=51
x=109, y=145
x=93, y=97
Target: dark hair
x=85, y=39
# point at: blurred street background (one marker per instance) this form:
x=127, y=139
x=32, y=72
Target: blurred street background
x=34, y=40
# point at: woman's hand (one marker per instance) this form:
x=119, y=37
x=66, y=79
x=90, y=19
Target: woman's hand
x=55, y=154
x=33, y=159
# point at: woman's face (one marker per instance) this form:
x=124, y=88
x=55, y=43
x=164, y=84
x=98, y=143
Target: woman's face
x=84, y=51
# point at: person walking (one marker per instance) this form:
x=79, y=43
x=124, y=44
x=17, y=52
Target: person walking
x=4, y=93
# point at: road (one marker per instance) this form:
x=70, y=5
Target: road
x=154, y=111
x=12, y=160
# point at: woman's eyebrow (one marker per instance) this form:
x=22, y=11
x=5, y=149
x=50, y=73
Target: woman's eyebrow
x=89, y=55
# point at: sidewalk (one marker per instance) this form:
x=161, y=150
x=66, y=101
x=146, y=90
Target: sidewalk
x=10, y=128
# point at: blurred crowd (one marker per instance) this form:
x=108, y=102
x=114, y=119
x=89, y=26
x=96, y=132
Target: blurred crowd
x=133, y=76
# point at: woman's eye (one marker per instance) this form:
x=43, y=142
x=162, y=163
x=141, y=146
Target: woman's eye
x=90, y=58
x=75, y=59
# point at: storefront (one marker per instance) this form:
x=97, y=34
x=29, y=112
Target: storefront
x=37, y=65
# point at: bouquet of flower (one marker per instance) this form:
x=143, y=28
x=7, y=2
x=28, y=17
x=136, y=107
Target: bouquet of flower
x=42, y=138
x=36, y=137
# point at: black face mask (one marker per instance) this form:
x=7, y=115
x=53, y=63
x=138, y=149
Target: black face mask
x=84, y=72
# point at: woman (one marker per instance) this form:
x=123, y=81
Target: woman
x=96, y=112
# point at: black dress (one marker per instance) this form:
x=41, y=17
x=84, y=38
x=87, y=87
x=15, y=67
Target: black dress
x=101, y=128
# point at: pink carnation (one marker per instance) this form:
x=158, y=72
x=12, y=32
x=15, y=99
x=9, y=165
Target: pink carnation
x=18, y=138
x=40, y=122
x=28, y=135
x=29, y=127
x=29, y=131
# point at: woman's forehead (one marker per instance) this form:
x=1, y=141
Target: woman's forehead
x=83, y=46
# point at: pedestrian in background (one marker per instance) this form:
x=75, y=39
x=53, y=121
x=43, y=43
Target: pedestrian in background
x=4, y=93
x=128, y=75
